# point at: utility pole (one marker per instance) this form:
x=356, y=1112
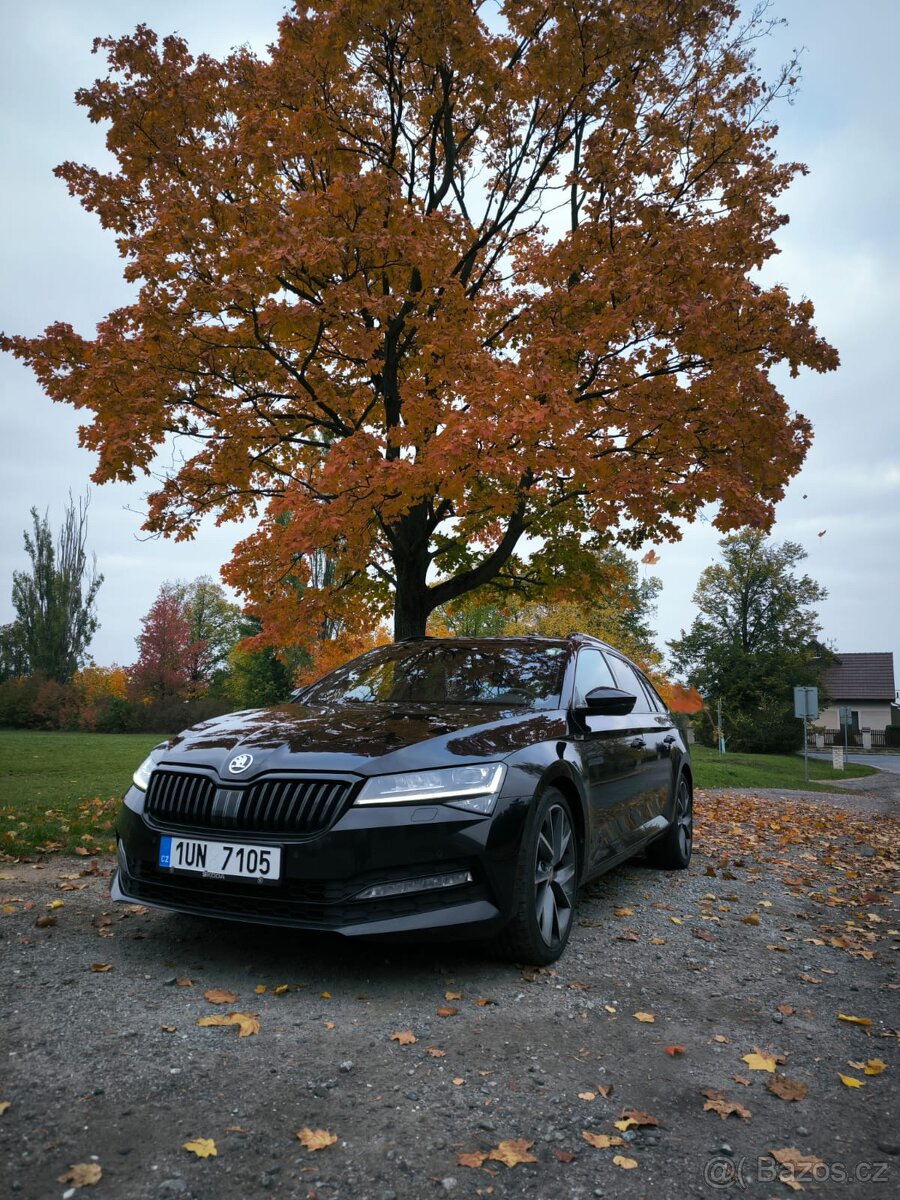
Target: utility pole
x=719, y=726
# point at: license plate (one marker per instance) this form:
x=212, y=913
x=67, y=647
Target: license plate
x=220, y=860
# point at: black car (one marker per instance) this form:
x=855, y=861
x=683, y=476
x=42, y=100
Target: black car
x=464, y=785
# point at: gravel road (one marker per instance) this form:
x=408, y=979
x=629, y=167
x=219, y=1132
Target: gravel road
x=420, y=1062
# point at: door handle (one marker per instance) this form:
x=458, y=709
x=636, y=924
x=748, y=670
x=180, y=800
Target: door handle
x=637, y=743
x=670, y=739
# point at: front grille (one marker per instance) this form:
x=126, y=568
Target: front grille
x=276, y=805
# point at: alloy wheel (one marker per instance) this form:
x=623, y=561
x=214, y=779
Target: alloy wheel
x=554, y=875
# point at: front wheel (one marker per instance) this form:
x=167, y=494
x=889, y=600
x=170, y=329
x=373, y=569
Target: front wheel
x=545, y=886
x=672, y=851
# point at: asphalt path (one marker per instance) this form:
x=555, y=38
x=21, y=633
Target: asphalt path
x=883, y=762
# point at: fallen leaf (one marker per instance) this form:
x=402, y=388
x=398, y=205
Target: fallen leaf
x=854, y=1020
x=657, y=941
x=328, y=1024
x=604, y=1090
x=434, y=1052
x=646, y=1018
x=703, y=935
x=719, y=1103
x=676, y=920
x=44, y=921
x=786, y=1089
x=184, y=982
x=874, y=1066
x=626, y=1164
x=602, y=1141
x=719, y=1037
x=809, y=978
x=793, y=1161
x=472, y=1158
x=56, y=904
x=587, y=1096
x=406, y=1037
x=632, y=1116
x=623, y=912
x=202, y=1147
x=447, y=1012
x=512, y=1152
x=759, y=1062
x=81, y=1174
x=453, y=995
x=564, y=1156
x=741, y=1080
x=673, y=1050
x=168, y=1028
x=786, y=1010
x=282, y=989
x=101, y=968
x=849, y=1081
x=246, y=1022
x=260, y=989
x=324, y=995
x=750, y=919
x=217, y=996
x=315, y=1139
x=457, y=1081
x=483, y=1001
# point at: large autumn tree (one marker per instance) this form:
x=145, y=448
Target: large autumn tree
x=431, y=283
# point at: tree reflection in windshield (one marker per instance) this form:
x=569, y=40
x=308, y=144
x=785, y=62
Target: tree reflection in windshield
x=511, y=675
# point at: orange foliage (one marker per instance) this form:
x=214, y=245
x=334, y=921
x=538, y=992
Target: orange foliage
x=678, y=698
x=419, y=284
x=94, y=684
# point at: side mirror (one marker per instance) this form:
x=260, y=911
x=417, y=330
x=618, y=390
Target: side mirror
x=608, y=702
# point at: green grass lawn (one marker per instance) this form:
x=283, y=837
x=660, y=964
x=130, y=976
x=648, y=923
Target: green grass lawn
x=714, y=770
x=60, y=791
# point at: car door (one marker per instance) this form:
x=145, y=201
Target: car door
x=607, y=760
x=651, y=736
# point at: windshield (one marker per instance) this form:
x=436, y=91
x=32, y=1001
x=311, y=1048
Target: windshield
x=508, y=674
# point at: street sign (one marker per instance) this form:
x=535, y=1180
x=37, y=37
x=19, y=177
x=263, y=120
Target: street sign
x=806, y=702
x=845, y=715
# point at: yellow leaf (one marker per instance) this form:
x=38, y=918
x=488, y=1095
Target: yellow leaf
x=324, y=995
x=260, y=989
x=4, y=1105
x=453, y=995
x=623, y=912
x=101, y=968
x=282, y=988
x=512, y=1151
x=405, y=1037
x=646, y=1018
x=218, y=996
x=447, y=1012
x=854, y=1020
x=874, y=1066
x=610, y=1008
x=626, y=1124
x=587, y=1095
x=676, y=920
x=458, y=1081
x=246, y=1022
x=602, y=1141
x=759, y=1062
x=81, y=1174
x=625, y=1163
x=315, y=1139
x=56, y=904
x=751, y=919
x=657, y=941
x=202, y=1147
x=849, y=1081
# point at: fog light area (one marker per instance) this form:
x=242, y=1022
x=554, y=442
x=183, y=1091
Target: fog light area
x=425, y=883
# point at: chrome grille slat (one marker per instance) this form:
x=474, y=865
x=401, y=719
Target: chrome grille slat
x=297, y=806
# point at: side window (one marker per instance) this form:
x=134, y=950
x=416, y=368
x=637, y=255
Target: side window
x=630, y=681
x=591, y=672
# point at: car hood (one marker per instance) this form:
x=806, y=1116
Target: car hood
x=365, y=739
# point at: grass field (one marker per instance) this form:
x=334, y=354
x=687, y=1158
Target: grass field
x=713, y=770
x=60, y=791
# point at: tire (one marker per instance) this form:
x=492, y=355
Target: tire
x=545, y=885
x=672, y=851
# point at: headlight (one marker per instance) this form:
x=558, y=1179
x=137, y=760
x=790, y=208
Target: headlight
x=141, y=777
x=472, y=788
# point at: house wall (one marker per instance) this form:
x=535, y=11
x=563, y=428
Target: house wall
x=871, y=716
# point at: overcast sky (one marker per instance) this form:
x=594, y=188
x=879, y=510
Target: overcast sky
x=840, y=250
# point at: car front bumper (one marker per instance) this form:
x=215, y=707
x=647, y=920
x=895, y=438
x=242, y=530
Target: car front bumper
x=322, y=877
